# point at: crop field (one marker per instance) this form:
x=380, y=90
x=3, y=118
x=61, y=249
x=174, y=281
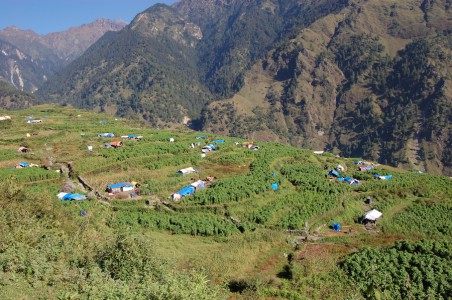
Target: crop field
x=261, y=228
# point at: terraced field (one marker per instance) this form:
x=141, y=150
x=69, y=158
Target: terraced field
x=238, y=237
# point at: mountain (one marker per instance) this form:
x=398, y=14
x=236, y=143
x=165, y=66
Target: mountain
x=50, y=52
x=361, y=78
x=370, y=81
x=19, y=69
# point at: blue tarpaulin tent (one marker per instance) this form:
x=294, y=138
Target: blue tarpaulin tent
x=70, y=196
x=188, y=190
x=382, y=177
x=23, y=164
x=73, y=197
x=219, y=141
x=275, y=186
x=334, y=173
x=336, y=227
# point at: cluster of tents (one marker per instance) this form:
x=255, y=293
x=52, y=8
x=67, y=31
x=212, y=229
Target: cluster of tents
x=353, y=181
x=349, y=180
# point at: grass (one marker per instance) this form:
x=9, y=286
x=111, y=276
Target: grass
x=259, y=260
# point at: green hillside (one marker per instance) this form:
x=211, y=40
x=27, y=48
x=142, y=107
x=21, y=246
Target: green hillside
x=236, y=238
x=12, y=98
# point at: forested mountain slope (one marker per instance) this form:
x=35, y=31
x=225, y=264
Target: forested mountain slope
x=373, y=81
x=362, y=78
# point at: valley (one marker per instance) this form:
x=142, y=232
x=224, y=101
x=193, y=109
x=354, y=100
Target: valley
x=239, y=237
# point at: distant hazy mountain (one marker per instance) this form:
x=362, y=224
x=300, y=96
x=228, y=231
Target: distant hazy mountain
x=48, y=53
x=361, y=78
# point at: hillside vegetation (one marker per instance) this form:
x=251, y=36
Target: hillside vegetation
x=12, y=98
x=359, y=78
x=237, y=238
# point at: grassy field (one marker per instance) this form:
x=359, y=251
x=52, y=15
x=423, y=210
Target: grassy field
x=236, y=239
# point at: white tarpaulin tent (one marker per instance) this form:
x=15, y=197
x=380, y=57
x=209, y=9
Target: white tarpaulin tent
x=372, y=215
x=188, y=170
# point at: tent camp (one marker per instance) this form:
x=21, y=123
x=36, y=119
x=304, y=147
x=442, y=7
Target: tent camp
x=185, y=171
x=372, y=215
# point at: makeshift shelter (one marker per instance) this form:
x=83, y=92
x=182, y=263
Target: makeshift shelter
x=171, y=140
x=340, y=168
x=219, y=141
x=201, y=137
x=199, y=184
x=34, y=121
x=319, y=152
x=187, y=190
x=334, y=173
x=381, y=177
x=120, y=187
x=106, y=135
x=372, y=215
x=275, y=186
x=116, y=144
x=23, y=150
x=336, y=227
x=208, y=148
x=21, y=165
x=4, y=118
x=69, y=196
x=185, y=171
x=352, y=181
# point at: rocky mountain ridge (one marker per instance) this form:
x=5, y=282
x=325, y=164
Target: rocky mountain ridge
x=48, y=53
